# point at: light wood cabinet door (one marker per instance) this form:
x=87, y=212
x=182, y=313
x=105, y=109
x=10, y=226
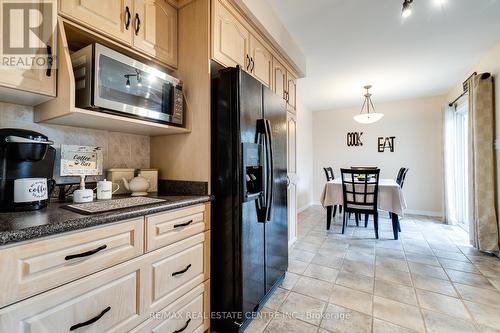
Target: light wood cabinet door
x=291, y=91
x=230, y=38
x=155, y=29
x=109, y=17
x=33, y=78
x=279, y=78
x=292, y=176
x=261, y=61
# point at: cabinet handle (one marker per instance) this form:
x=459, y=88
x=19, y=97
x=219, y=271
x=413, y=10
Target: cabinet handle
x=90, y=321
x=50, y=61
x=182, y=271
x=248, y=62
x=253, y=65
x=185, y=326
x=137, y=24
x=183, y=224
x=127, y=12
x=85, y=254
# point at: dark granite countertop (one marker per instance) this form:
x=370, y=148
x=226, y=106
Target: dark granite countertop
x=21, y=226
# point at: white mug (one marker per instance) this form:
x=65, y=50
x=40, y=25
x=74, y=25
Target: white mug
x=105, y=189
x=30, y=189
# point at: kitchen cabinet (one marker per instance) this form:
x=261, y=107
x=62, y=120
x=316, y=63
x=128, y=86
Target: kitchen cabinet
x=155, y=29
x=291, y=130
x=22, y=85
x=111, y=17
x=279, y=78
x=148, y=26
x=291, y=92
x=114, y=289
x=261, y=61
x=231, y=40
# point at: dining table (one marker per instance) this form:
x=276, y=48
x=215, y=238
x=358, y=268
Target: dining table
x=390, y=198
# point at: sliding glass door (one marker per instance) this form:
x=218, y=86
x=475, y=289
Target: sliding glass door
x=456, y=163
x=460, y=120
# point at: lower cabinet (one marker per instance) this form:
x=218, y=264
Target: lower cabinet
x=165, y=290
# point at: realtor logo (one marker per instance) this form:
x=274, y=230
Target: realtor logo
x=28, y=29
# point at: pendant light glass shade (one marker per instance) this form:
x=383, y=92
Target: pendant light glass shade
x=369, y=116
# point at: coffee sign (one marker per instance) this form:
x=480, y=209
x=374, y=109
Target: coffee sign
x=81, y=160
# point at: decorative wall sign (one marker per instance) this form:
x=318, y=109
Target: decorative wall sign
x=354, y=139
x=386, y=143
x=81, y=160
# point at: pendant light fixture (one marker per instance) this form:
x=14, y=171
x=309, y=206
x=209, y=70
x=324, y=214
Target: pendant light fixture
x=370, y=116
x=407, y=8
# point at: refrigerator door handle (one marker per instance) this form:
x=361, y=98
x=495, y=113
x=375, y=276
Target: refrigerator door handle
x=263, y=207
x=270, y=165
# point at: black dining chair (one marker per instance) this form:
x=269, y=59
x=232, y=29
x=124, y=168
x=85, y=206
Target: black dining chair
x=330, y=176
x=360, y=192
x=364, y=168
x=400, y=179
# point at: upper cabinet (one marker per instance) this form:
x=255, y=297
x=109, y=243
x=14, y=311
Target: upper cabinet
x=111, y=17
x=35, y=82
x=261, y=61
x=231, y=40
x=291, y=92
x=155, y=29
x=236, y=42
x=279, y=85
x=148, y=26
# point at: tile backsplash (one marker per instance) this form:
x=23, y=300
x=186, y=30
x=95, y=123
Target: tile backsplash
x=120, y=150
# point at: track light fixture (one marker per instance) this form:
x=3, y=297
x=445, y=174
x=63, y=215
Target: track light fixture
x=407, y=8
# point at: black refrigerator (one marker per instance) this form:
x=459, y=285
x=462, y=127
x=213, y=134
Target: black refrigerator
x=249, y=182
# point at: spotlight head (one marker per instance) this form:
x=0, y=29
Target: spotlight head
x=407, y=8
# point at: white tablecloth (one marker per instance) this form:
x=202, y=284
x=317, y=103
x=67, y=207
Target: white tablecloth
x=390, y=195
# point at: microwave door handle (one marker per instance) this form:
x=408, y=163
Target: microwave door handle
x=270, y=163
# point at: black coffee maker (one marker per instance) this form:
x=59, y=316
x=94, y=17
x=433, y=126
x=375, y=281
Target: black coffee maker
x=26, y=170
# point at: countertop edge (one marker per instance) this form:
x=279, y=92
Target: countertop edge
x=11, y=238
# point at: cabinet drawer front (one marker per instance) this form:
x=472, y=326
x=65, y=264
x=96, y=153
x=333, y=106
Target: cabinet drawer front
x=167, y=228
x=176, y=269
x=41, y=265
x=109, y=301
x=187, y=312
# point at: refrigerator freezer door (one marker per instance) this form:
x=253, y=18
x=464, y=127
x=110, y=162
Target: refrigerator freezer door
x=276, y=232
x=252, y=235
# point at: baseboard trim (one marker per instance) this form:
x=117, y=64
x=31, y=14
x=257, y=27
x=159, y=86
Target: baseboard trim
x=303, y=208
x=423, y=213
x=291, y=242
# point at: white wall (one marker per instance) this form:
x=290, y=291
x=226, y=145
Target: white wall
x=417, y=126
x=304, y=158
x=490, y=62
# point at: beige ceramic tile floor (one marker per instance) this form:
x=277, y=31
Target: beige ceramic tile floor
x=430, y=280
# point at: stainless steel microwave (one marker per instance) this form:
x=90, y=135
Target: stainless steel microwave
x=108, y=81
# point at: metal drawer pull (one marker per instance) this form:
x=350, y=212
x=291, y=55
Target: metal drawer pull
x=182, y=271
x=85, y=254
x=185, y=326
x=183, y=224
x=137, y=24
x=90, y=321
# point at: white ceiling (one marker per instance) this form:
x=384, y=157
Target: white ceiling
x=350, y=43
